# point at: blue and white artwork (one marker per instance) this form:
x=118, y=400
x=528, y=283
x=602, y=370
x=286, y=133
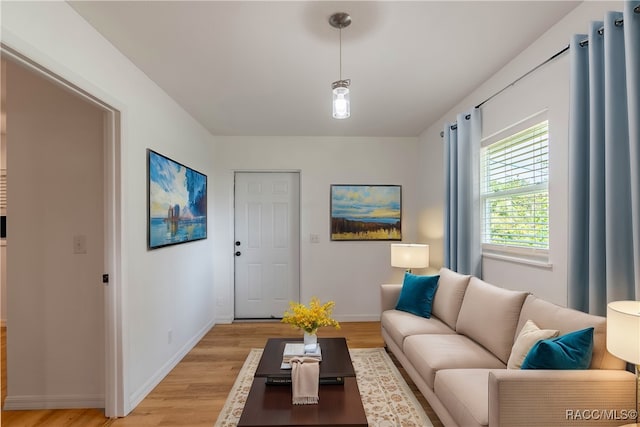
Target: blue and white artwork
x=177, y=202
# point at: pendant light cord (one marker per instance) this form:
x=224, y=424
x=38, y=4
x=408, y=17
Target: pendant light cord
x=340, y=72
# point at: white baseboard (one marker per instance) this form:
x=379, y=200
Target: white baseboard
x=358, y=318
x=225, y=320
x=15, y=403
x=138, y=396
x=345, y=318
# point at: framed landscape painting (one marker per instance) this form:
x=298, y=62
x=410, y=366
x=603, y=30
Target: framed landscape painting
x=177, y=202
x=366, y=212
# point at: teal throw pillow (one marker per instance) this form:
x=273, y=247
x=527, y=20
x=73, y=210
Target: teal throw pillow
x=570, y=351
x=417, y=294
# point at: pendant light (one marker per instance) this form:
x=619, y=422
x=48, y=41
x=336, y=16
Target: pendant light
x=340, y=88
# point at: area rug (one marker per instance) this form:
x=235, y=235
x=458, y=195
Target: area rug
x=386, y=397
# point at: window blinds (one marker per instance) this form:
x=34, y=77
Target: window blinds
x=514, y=189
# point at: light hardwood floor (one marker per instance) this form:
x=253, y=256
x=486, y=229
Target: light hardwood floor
x=194, y=392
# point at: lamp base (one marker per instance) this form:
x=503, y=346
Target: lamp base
x=636, y=408
x=637, y=420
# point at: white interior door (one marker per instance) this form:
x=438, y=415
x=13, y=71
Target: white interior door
x=267, y=243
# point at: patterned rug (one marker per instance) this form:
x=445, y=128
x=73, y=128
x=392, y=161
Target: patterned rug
x=386, y=397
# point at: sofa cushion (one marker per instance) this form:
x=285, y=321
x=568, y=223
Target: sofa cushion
x=529, y=335
x=551, y=316
x=489, y=315
x=570, y=351
x=465, y=394
x=448, y=299
x=417, y=293
x=431, y=353
x=399, y=325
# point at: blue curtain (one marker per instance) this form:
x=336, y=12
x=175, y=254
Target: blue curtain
x=462, y=251
x=604, y=163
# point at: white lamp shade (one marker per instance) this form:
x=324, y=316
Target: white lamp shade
x=409, y=255
x=623, y=330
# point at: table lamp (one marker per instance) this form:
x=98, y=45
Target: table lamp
x=623, y=335
x=407, y=255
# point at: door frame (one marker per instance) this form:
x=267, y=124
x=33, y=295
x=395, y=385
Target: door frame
x=115, y=404
x=233, y=228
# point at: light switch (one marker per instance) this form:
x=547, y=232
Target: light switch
x=80, y=244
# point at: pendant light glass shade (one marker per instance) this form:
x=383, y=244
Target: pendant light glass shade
x=341, y=101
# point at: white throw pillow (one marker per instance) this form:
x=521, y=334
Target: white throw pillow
x=528, y=336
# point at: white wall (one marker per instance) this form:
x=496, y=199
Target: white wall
x=348, y=272
x=547, y=88
x=55, y=339
x=161, y=290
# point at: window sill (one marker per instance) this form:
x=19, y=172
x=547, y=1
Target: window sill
x=518, y=259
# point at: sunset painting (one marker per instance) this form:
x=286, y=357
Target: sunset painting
x=366, y=212
x=177, y=202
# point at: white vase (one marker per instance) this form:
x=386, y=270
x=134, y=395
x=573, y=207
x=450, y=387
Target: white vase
x=310, y=338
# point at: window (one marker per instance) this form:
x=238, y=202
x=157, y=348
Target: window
x=514, y=192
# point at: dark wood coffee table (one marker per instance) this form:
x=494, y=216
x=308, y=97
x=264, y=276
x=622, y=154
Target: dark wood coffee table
x=339, y=405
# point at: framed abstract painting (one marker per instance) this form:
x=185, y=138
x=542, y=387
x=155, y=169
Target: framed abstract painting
x=177, y=202
x=366, y=212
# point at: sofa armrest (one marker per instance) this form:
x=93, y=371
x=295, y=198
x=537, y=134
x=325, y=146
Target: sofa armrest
x=389, y=294
x=560, y=398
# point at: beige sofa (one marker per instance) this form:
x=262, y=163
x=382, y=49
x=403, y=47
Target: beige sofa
x=458, y=359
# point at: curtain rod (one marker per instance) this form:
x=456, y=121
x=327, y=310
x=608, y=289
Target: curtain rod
x=618, y=23
x=557, y=54
x=468, y=116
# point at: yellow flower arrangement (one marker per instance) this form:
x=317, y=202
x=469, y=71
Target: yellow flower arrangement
x=310, y=318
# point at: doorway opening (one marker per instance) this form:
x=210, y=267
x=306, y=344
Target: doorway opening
x=69, y=238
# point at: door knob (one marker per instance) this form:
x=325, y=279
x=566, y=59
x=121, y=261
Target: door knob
x=238, y=253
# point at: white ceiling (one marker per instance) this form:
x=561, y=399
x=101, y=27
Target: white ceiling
x=265, y=68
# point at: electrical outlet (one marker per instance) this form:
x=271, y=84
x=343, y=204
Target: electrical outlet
x=80, y=244
x=314, y=238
